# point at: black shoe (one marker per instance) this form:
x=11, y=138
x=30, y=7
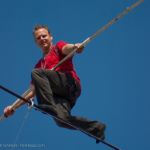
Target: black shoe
x=102, y=138
x=100, y=133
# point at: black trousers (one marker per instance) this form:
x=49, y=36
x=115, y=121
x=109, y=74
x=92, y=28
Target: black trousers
x=59, y=91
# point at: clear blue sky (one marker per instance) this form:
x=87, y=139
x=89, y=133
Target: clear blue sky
x=114, y=70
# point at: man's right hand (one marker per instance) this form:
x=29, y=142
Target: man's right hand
x=8, y=111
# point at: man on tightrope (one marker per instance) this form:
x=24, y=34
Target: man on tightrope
x=57, y=90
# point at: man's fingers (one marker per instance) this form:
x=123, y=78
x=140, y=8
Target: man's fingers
x=79, y=47
x=8, y=111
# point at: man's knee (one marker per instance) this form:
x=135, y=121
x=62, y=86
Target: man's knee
x=35, y=73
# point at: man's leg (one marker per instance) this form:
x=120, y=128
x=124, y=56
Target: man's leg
x=49, y=83
x=93, y=127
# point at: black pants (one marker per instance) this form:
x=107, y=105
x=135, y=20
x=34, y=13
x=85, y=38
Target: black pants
x=60, y=91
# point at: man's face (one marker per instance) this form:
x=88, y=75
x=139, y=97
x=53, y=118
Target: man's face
x=43, y=39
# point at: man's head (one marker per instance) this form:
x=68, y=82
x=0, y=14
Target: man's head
x=43, y=37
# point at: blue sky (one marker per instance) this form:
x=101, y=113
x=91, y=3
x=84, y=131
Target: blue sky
x=114, y=71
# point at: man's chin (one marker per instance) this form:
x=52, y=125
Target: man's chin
x=44, y=46
x=45, y=49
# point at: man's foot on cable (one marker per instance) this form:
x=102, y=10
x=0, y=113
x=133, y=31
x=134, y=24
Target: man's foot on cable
x=102, y=138
x=100, y=133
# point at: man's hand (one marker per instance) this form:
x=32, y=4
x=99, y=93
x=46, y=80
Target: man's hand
x=68, y=48
x=29, y=94
x=8, y=111
x=79, y=47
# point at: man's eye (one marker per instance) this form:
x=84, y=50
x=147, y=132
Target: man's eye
x=40, y=37
x=44, y=36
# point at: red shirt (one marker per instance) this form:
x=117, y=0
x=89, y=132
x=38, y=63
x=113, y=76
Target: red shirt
x=55, y=55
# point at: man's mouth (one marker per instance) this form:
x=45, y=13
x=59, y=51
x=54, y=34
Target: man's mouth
x=43, y=44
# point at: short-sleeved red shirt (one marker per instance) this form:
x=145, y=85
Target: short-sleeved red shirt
x=55, y=55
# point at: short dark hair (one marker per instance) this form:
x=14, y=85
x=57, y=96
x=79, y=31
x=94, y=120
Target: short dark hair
x=37, y=27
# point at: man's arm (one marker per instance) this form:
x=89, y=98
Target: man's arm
x=70, y=47
x=29, y=94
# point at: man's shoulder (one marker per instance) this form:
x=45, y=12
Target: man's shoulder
x=60, y=44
